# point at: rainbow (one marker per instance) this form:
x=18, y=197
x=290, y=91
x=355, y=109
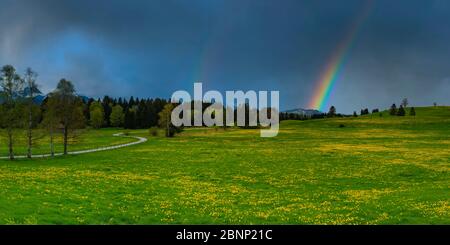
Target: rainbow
x=330, y=74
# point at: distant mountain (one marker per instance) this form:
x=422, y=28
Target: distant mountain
x=304, y=112
x=40, y=98
x=37, y=99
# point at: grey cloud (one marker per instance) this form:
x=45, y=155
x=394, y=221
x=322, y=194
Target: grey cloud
x=152, y=48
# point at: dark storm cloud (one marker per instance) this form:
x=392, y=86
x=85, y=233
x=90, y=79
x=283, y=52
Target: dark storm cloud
x=151, y=48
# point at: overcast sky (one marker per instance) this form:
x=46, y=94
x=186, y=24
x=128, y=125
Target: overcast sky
x=152, y=48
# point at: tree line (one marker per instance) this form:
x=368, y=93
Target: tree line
x=393, y=110
x=134, y=113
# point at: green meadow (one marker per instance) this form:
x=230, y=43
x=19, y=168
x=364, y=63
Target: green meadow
x=366, y=170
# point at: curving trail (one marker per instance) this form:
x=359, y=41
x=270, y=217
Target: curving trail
x=106, y=148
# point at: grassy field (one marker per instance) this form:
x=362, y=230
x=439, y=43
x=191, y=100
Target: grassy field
x=370, y=170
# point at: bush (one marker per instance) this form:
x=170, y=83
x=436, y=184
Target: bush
x=341, y=125
x=172, y=131
x=179, y=129
x=153, y=131
x=401, y=111
x=412, y=111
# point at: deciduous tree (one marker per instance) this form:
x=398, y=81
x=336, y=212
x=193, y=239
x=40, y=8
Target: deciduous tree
x=117, y=116
x=31, y=90
x=11, y=118
x=50, y=119
x=393, y=110
x=69, y=110
x=165, y=122
x=332, y=111
x=97, y=115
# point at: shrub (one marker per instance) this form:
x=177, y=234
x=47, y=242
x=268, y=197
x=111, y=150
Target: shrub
x=401, y=111
x=412, y=111
x=153, y=131
x=172, y=131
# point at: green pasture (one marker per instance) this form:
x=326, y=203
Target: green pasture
x=366, y=170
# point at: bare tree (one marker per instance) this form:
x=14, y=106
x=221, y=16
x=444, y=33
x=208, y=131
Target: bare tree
x=117, y=116
x=405, y=102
